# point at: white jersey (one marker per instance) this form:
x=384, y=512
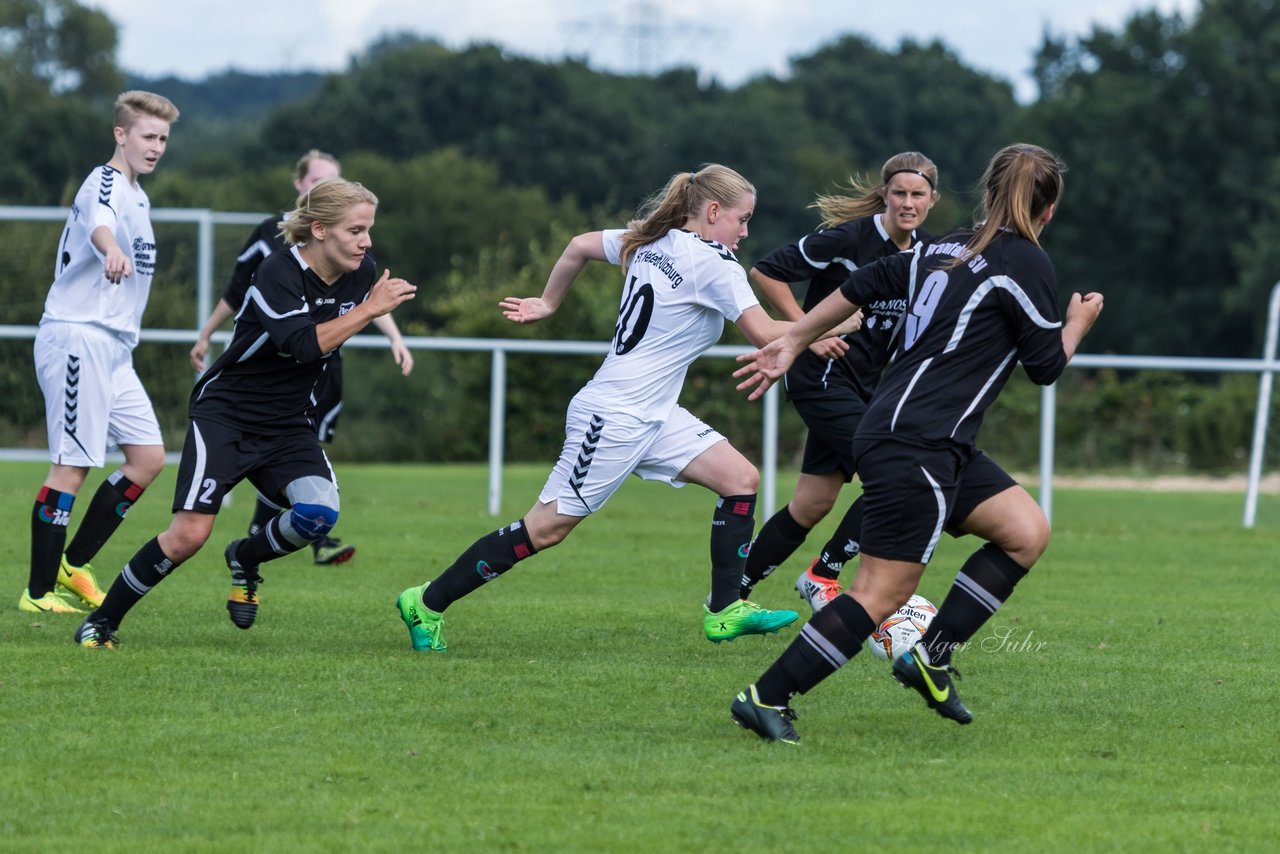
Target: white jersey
x=81, y=292
x=677, y=293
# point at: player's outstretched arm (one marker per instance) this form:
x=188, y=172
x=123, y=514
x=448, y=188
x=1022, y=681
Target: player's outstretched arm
x=779, y=296
x=403, y=355
x=581, y=249
x=765, y=366
x=116, y=264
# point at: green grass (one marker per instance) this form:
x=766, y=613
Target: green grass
x=580, y=709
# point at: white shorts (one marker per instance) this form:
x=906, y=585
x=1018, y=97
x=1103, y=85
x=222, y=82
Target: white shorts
x=93, y=399
x=602, y=447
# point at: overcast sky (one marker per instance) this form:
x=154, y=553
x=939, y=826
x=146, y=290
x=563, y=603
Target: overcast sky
x=730, y=40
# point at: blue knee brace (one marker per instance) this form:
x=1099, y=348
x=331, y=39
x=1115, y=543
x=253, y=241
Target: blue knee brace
x=312, y=521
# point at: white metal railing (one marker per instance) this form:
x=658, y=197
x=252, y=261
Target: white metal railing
x=498, y=348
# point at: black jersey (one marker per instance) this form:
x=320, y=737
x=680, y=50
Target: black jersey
x=964, y=332
x=265, y=377
x=826, y=258
x=264, y=240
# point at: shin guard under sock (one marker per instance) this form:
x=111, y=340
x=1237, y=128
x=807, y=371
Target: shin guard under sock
x=778, y=540
x=983, y=584
x=731, y=527
x=49, y=518
x=486, y=559
x=843, y=545
x=268, y=544
x=831, y=638
x=144, y=570
x=107, y=510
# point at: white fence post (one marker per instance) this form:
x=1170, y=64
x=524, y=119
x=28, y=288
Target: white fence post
x=1048, y=416
x=1263, y=413
x=497, y=428
x=204, y=267
x=769, y=454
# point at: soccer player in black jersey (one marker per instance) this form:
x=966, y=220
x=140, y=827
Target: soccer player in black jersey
x=831, y=381
x=980, y=301
x=312, y=167
x=250, y=412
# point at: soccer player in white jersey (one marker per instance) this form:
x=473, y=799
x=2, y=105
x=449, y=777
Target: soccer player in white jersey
x=680, y=281
x=84, y=360
x=980, y=301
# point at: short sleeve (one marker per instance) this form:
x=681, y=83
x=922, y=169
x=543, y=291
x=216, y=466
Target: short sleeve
x=613, y=244
x=729, y=292
x=109, y=195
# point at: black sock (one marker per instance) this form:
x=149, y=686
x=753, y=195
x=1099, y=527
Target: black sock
x=843, y=545
x=486, y=559
x=106, y=511
x=49, y=520
x=144, y=570
x=262, y=514
x=731, y=527
x=831, y=638
x=983, y=584
x=268, y=544
x=778, y=540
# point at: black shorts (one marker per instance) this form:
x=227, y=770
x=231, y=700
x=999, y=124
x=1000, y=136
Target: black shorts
x=215, y=457
x=912, y=495
x=832, y=421
x=328, y=395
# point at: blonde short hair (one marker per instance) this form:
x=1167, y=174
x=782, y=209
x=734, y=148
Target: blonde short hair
x=132, y=105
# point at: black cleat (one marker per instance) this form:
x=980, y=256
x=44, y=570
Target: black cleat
x=242, y=602
x=96, y=634
x=772, y=723
x=914, y=670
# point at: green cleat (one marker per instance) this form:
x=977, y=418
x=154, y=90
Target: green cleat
x=914, y=670
x=744, y=618
x=329, y=550
x=772, y=723
x=426, y=627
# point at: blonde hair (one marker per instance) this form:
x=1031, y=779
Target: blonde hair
x=304, y=162
x=326, y=203
x=1018, y=186
x=132, y=105
x=865, y=198
x=683, y=197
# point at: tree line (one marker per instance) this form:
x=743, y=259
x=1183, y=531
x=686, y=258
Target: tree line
x=486, y=162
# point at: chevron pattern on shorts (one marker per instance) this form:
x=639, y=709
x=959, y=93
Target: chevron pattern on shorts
x=587, y=452
x=72, y=395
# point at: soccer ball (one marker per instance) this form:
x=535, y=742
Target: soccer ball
x=903, y=628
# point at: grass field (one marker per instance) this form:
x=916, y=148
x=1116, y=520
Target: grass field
x=1124, y=698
